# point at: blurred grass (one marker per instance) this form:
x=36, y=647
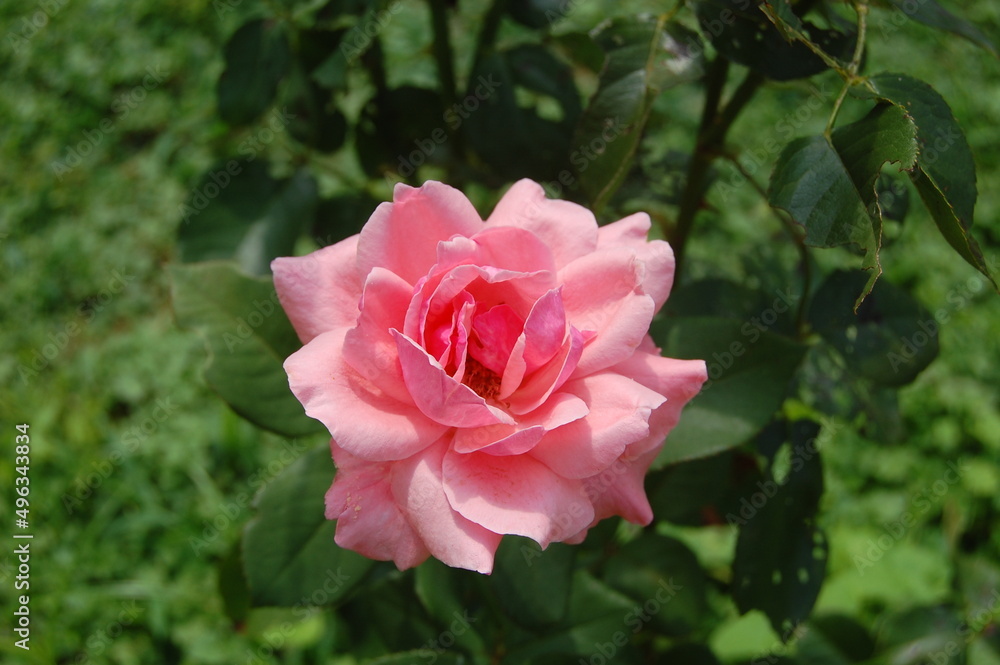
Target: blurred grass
x=135, y=463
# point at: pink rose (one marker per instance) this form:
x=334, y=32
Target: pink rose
x=481, y=379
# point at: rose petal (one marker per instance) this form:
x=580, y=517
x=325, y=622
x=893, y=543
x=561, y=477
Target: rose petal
x=618, y=490
x=319, y=291
x=620, y=409
x=601, y=293
x=550, y=378
x=403, y=236
x=504, y=247
x=418, y=487
x=368, y=519
x=517, y=439
x=494, y=335
x=368, y=347
x=515, y=494
x=439, y=396
x=544, y=330
x=656, y=255
x=363, y=420
x=568, y=229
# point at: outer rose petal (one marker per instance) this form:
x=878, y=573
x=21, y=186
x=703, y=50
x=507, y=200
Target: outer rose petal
x=620, y=410
x=619, y=490
x=516, y=494
x=363, y=420
x=656, y=255
x=570, y=230
x=678, y=380
x=320, y=291
x=419, y=489
x=403, y=236
x=601, y=293
x=368, y=519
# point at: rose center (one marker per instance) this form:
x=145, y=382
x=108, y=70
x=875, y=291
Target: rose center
x=483, y=381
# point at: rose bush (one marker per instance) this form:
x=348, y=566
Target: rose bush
x=481, y=379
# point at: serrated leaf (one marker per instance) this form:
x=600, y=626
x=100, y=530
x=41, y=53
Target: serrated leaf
x=644, y=56
x=257, y=57
x=781, y=554
x=890, y=339
x=288, y=550
x=934, y=15
x=828, y=185
x=946, y=173
x=238, y=211
x=248, y=338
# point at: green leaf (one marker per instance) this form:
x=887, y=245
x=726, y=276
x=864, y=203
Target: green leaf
x=828, y=185
x=233, y=586
x=257, y=57
x=664, y=577
x=945, y=176
x=743, y=34
x=781, y=554
x=690, y=493
x=597, y=616
x=890, y=339
x=644, y=56
x=288, y=548
x=248, y=338
x=749, y=372
x=418, y=656
x=834, y=640
x=521, y=101
x=238, y=211
x=450, y=596
x=922, y=635
x=538, y=14
x=532, y=585
x=401, y=130
x=931, y=13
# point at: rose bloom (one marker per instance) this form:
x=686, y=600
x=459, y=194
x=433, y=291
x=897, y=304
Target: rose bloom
x=481, y=379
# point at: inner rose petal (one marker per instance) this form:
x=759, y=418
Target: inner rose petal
x=494, y=333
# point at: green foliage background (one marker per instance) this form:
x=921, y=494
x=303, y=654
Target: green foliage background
x=142, y=479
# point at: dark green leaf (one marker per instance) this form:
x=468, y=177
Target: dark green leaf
x=828, y=186
x=532, y=585
x=644, y=56
x=744, y=35
x=691, y=654
x=922, y=635
x=521, y=101
x=233, y=586
x=288, y=548
x=449, y=595
x=834, y=640
x=946, y=173
x=248, y=338
x=749, y=372
x=257, y=57
x=418, y=656
x=890, y=339
x=690, y=493
x=538, y=14
x=597, y=619
x=780, y=553
x=663, y=576
x=238, y=211
x=931, y=13
x=402, y=130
